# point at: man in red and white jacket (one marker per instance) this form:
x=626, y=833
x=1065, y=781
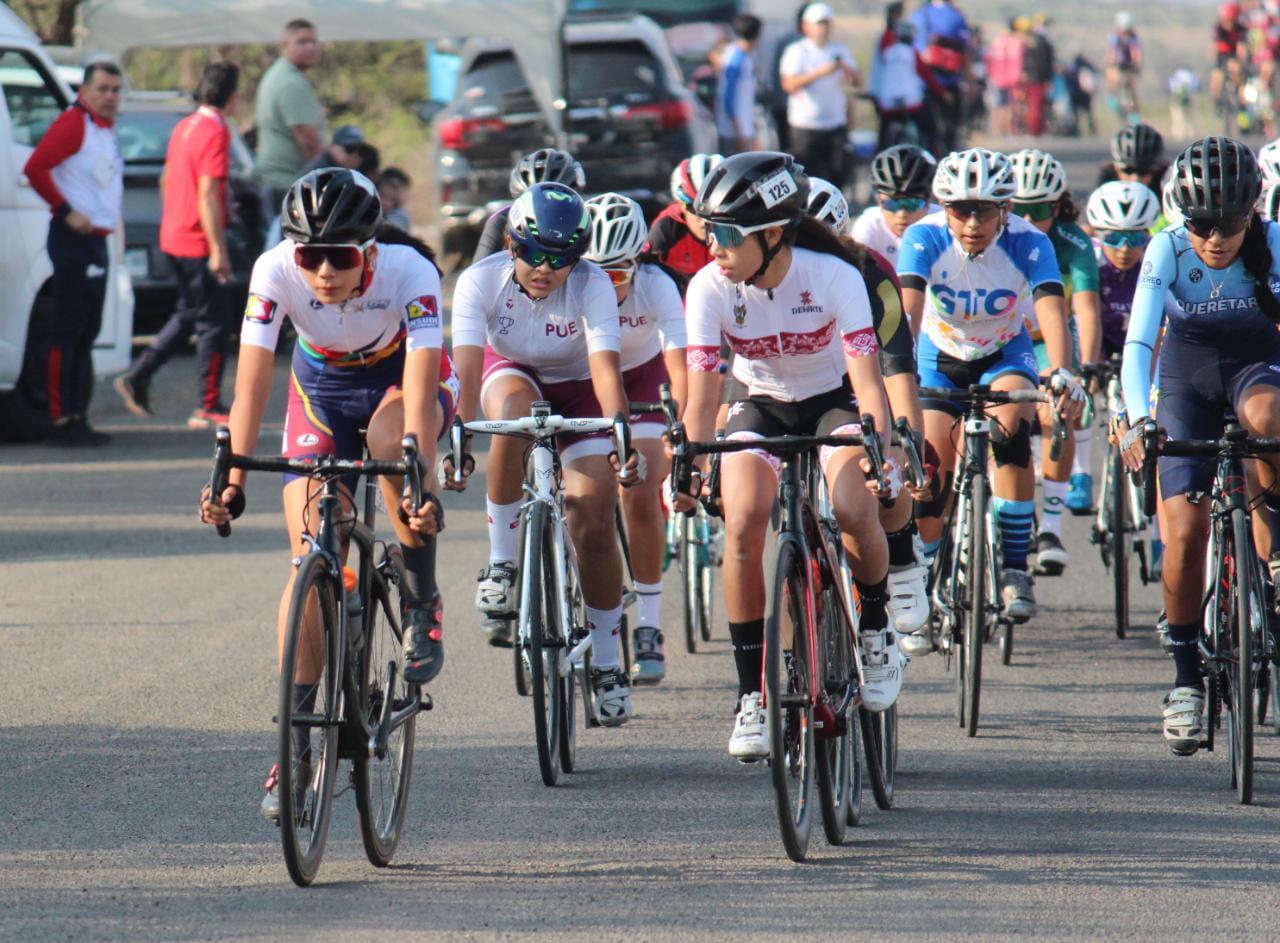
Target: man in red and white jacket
x=193, y=234
x=77, y=169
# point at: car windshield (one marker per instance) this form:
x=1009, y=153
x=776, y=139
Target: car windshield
x=603, y=68
x=144, y=135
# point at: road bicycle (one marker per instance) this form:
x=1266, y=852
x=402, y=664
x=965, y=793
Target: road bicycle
x=1238, y=644
x=552, y=643
x=344, y=632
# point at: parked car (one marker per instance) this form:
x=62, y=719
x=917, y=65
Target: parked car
x=33, y=95
x=146, y=121
x=630, y=121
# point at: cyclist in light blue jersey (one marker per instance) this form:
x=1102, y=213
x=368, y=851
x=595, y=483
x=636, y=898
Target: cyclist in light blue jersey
x=1221, y=352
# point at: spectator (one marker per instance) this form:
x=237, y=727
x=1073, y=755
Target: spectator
x=343, y=150
x=1082, y=80
x=193, y=234
x=1124, y=66
x=370, y=160
x=942, y=36
x=393, y=188
x=899, y=79
x=291, y=126
x=1037, y=73
x=736, y=88
x=777, y=95
x=76, y=168
x=1004, y=72
x=815, y=74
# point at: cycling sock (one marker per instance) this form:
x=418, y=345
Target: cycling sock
x=649, y=604
x=931, y=548
x=420, y=570
x=504, y=530
x=1185, y=640
x=902, y=551
x=1015, y=519
x=748, y=654
x=1055, y=497
x=1082, y=464
x=874, y=597
x=605, y=627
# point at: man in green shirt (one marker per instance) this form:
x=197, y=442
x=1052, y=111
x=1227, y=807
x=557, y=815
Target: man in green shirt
x=291, y=127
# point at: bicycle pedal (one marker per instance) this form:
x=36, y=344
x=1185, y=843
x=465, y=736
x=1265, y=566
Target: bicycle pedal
x=426, y=703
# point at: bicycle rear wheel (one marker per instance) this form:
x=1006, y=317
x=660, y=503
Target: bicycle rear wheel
x=306, y=723
x=1121, y=541
x=538, y=607
x=382, y=782
x=691, y=581
x=976, y=590
x=1239, y=665
x=789, y=692
x=836, y=762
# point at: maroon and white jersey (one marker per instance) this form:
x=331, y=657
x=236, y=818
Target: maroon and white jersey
x=782, y=337
x=651, y=318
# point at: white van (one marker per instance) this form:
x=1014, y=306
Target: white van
x=34, y=94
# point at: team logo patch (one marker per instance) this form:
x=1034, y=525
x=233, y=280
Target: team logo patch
x=806, y=297
x=423, y=312
x=1195, y=275
x=308, y=439
x=739, y=314
x=504, y=324
x=260, y=310
x=1147, y=268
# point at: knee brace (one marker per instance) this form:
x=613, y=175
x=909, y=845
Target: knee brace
x=1011, y=449
x=938, y=503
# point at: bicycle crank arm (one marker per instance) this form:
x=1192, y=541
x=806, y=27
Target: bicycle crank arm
x=576, y=656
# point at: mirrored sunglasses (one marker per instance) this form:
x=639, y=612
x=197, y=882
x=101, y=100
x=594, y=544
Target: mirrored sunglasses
x=1126, y=238
x=979, y=210
x=535, y=258
x=902, y=204
x=621, y=274
x=1205, y=228
x=342, y=258
x=1036, y=212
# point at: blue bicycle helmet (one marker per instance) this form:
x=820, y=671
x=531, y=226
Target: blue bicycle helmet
x=551, y=218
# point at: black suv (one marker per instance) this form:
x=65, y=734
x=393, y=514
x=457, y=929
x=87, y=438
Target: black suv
x=631, y=121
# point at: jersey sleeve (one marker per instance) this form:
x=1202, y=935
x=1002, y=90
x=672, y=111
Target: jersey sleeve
x=1083, y=264
x=664, y=301
x=853, y=313
x=893, y=327
x=420, y=295
x=702, y=317
x=919, y=250
x=263, y=311
x=1159, y=267
x=469, y=317
x=600, y=312
x=1036, y=259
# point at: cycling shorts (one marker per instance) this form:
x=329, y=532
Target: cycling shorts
x=939, y=369
x=1198, y=385
x=760, y=417
x=644, y=385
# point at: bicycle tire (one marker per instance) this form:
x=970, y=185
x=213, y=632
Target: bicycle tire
x=569, y=679
x=381, y=810
x=707, y=591
x=976, y=587
x=835, y=762
x=854, y=736
x=537, y=606
x=791, y=741
x=880, y=746
x=690, y=578
x=519, y=665
x=1120, y=539
x=306, y=807
x=1240, y=667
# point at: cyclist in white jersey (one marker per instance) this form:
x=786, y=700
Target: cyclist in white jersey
x=538, y=323
x=901, y=180
x=651, y=321
x=965, y=273
x=368, y=356
x=780, y=307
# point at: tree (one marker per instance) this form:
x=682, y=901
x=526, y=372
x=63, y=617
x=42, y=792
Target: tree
x=53, y=21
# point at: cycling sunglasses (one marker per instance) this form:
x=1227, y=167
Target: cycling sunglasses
x=1205, y=228
x=1125, y=238
x=1036, y=212
x=729, y=236
x=535, y=258
x=342, y=258
x=980, y=210
x=621, y=274
x=902, y=204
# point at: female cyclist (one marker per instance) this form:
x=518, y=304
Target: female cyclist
x=537, y=323
x=1121, y=216
x=651, y=322
x=781, y=289
x=1042, y=198
x=368, y=356
x=1221, y=351
x=1137, y=154
x=901, y=178
x=545, y=165
x=678, y=238
x=966, y=275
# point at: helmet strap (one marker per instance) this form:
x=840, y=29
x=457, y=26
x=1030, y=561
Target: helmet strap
x=768, y=254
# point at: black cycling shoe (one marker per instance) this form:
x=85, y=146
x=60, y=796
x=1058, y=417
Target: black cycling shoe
x=424, y=642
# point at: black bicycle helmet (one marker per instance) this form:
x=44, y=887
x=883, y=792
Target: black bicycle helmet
x=903, y=170
x=1216, y=178
x=753, y=189
x=546, y=165
x=332, y=206
x=1138, y=147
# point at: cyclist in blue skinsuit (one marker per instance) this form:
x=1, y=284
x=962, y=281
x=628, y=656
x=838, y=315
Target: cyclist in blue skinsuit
x=1221, y=351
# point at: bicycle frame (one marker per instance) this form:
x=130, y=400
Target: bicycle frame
x=1137, y=524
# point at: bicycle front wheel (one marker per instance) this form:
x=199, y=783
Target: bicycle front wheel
x=836, y=763
x=789, y=690
x=540, y=617
x=1246, y=606
x=691, y=580
x=975, y=627
x=307, y=718
x=1121, y=541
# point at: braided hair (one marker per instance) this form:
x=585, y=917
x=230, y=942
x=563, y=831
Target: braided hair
x=1255, y=256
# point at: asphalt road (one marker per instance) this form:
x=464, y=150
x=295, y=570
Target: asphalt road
x=137, y=688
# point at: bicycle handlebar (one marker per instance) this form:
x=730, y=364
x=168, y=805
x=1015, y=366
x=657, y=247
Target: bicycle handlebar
x=980, y=393
x=540, y=426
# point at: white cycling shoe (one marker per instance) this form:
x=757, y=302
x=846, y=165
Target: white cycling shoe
x=612, y=693
x=881, y=670
x=909, y=598
x=496, y=590
x=1184, y=720
x=749, y=741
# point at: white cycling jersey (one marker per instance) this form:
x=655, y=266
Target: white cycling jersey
x=553, y=336
x=403, y=292
x=872, y=231
x=782, y=338
x=651, y=318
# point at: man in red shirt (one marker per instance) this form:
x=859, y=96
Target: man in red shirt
x=193, y=234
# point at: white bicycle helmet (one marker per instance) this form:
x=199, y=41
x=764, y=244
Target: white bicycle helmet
x=618, y=230
x=975, y=174
x=1269, y=203
x=827, y=204
x=1120, y=205
x=1039, y=176
x=1269, y=162
x=686, y=179
x=1168, y=204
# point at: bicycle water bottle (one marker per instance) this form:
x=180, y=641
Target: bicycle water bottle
x=351, y=583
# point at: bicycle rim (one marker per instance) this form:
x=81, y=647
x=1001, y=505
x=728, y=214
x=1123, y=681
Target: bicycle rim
x=1120, y=543
x=706, y=589
x=382, y=784
x=976, y=623
x=1241, y=665
x=790, y=706
x=689, y=581
x=308, y=755
x=835, y=760
x=537, y=607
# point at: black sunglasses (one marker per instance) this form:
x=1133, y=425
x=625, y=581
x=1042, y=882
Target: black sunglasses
x=1227, y=228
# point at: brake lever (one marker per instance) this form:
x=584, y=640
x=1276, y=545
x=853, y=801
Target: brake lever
x=875, y=455
x=221, y=472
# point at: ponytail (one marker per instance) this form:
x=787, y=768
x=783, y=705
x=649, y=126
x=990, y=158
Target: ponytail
x=1068, y=212
x=817, y=236
x=1255, y=256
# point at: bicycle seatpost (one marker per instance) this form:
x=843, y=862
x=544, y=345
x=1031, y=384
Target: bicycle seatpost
x=221, y=471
